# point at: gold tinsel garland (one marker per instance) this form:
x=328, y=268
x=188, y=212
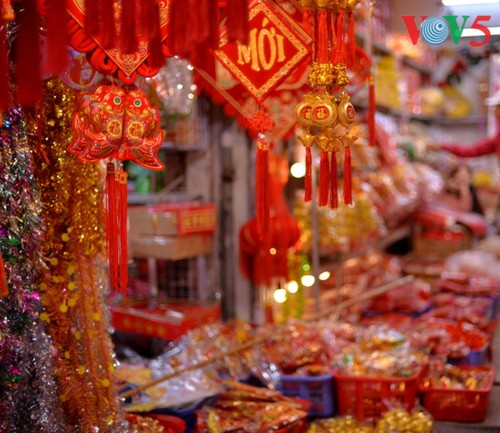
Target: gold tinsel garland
x=74, y=276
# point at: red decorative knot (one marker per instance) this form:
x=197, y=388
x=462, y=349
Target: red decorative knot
x=261, y=121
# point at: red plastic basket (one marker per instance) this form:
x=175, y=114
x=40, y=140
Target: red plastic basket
x=464, y=405
x=366, y=398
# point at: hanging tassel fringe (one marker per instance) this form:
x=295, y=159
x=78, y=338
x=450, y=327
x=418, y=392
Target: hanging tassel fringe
x=324, y=179
x=347, y=177
x=57, y=37
x=180, y=36
x=323, y=36
x=4, y=73
x=237, y=20
x=372, y=139
x=157, y=59
x=129, y=43
x=4, y=288
x=116, y=228
x=261, y=193
x=308, y=176
x=306, y=21
x=107, y=11
x=351, y=41
x=339, y=55
x=92, y=23
x=334, y=189
x=29, y=86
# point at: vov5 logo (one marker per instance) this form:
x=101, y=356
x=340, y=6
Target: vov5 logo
x=435, y=30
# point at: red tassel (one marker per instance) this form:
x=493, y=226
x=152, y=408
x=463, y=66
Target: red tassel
x=308, y=177
x=121, y=180
x=333, y=33
x=153, y=33
x=347, y=177
x=57, y=37
x=261, y=193
x=371, y=112
x=237, y=20
x=334, y=189
x=92, y=23
x=339, y=53
x=4, y=72
x=306, y=21
x=322, y=36
x=351, y=42
x=180, y=35
x=27, y=55
x=107, y=11
x=112, y=228
x=4, y=288
x=324, y=179
x=129, y=43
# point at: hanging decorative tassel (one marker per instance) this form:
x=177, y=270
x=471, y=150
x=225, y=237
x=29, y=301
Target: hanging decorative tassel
x=152, y=30
x=333, y=32
x=322, y=44
x=237, y=20
x=339, y=55
x=372, y=139
x=4, y=73
x=334, y=189
x=351, y=41
x=306, y=21
x=324, y=178
x=57, y=37
x=129, y=43
x=4, y=288
x=28, y=65
x=308, y=176
x=116, y=228
x=92, y=23
x=347, y=177
x=180, y=35
x=108, y=31
x=261, y=191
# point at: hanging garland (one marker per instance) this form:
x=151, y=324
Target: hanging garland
x=29, y=398
x=73, y=279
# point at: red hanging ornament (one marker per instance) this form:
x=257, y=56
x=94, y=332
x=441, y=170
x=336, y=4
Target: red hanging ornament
x=372, y=107
x=334, y=190
x=4, y=288
x=4, y=72
x=57, y=37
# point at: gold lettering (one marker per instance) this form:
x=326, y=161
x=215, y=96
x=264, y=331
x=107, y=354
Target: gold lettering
x=247, y=53
x=281, y=48
x=266, y=34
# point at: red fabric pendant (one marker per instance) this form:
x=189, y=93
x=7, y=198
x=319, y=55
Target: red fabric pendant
x=351, y=41
x=334, y=189
x=107, y=12
x=57, y=36
x=116, y=228
x=151, y=18
x=4, y=73
x=347, y=177
x=237, y=20
x=324, y=179
x=261, y=189
x=92, y=22
x=29, y=89
x=181, y=36
x=371, y=112
x=308, y=176
x=323, y=24
x=129, y=43
x=4, y=288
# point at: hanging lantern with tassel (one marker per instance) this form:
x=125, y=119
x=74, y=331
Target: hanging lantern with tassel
x=326, y=113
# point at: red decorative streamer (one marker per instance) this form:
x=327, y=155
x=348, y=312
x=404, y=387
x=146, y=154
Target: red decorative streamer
x=4, y=288
x=261, y=190
x=180, y=36
x=237, y=20
x=371, y=112
x=152, y=30
x=306, y=21
x=57, y=36
x=107, y=11
x=29, y=89
x=4, y=72
x=351, y=41
x=347, y=177
x=92, y=22
x=308, y=177
x=324, y=179
x=339, y=55
x=129, y=43
x=334, y=189
x=121, y=180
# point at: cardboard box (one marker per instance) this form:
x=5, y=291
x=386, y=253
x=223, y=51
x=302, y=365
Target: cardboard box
x=177, y=219
x=170, y=247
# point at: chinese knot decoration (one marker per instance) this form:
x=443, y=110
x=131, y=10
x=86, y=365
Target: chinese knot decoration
x=326, y=113
x=120, y=123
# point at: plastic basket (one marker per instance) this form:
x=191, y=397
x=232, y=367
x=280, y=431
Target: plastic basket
x=459, y=404
x=318, y=390
x=475, y=357
x=366, y=398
